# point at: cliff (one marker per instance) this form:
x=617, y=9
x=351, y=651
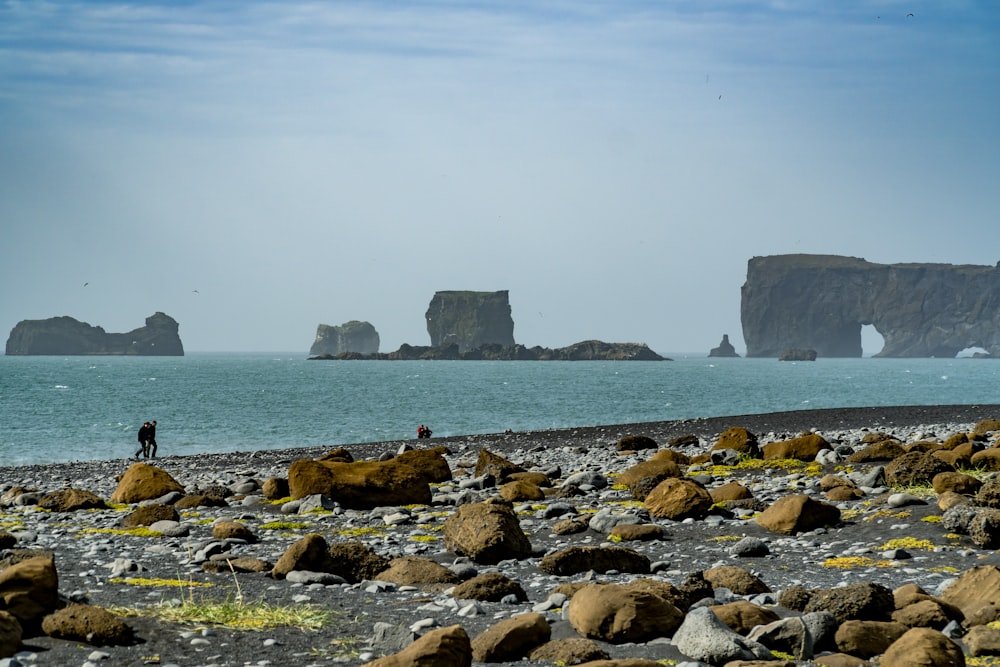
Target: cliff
x=470, y=319
x=67, y=336
x=353, y=336
x=820, y=302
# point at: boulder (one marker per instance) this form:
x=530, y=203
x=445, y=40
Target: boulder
x=989, y=494
x=736, y=579
x=923, y=647
x=984, y=528
x=702, y=636
x=144, y=482
x=569, y=651
x=863, y=601
x=359, y=485
x=430, y=464
x=91, y=625
x=511, y=639
x=489, y=587
x=678, y=499
x=636, y=532
x=883, y=450
x=788, y=635
x=915, y=469
x=521, y=490
x=495, y=465
x=233, y=530
x=147, y=515
x=739, y=440
x=354, y=561
x=10, y=634
x=29, y=590
x=71, y=500
x=729, y=491
x=975, y=586
x=486, y=532
x=617, y=614
x=743, y=616
x=444, y=647
x=574, y=560
x=866, y=639
x=982, y=640
x=645, y=476
x=308, y=553
x=275, y=488
x=923, y=614
x=797, y=514
x=634, y=443
x=413, y=570
x=802, y=448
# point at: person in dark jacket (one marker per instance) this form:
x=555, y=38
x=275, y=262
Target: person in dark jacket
x=151, y=439
x=143, y=441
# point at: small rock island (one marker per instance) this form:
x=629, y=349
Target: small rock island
x=67, y=336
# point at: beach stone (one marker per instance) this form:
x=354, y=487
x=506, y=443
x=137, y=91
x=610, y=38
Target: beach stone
x=643, y=477
x=867, y=638
x=975, y=586
x=338, y=455
x=986, y=459
x=949, y=499
x=796, y=514
x=574, y=560
x=489, y=463
x=243, y=564
x=144, y=482
x=571, y=526
x=984, y=528
x=863, y=601
x=678, y=499
x=445, y=647
x=170, y=528
x=739, y=440
x=568, y=651
x=736, y=579
x=663, y=589
x=84, y=623
x=802, y=448
x=617, y=614
x=147, y=515
x=412, y=570
x=958, y=518
x=275, y=488
x=795, y=598
x=884, y=450
x=71, y=500
x=354, y=561
x=914, y=469
x=729, y=491
x=922, y=614
x=10, y=634
x=429, y=463
x=982, y=640
x=29, y=590
x=844, y=493
x=233, y=530
x=193, y=500
x=7, y=540
x=704, y=637
x=743, y=616
x=634, y=443
x=359, y=485
x=521, y=490
x=789, y=635
x=989, y=494
x=511, y=639
x=923, y=647
x=486, y=532
x=956, y=482
x=489, y=587
x=308, y=553
x=840, y=660
x=636, y=532
x=750, y=547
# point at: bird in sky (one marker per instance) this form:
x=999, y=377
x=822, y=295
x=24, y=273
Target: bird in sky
x=85, y=284
x=194, y=291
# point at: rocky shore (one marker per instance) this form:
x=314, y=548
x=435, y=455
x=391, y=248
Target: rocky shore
x=836, y=537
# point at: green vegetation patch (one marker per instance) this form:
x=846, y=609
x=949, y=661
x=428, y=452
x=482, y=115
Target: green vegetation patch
x=160, y=583
x=236, y=614
x=284, y=525
x=138, y=531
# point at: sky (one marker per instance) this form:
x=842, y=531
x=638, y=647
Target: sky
x=254, y=169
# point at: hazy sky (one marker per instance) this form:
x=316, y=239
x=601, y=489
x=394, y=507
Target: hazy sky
x=612, y=164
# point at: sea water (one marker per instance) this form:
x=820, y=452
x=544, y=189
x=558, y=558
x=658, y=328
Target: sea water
x=55, y=409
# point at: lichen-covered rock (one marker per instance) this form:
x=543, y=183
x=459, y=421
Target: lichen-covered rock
x=678, y=499
x=511, y=639
x=915, y=468
x=354, y=561
x=863, y=601
x=144, y=482
x=798, y=513
x=617, y=614
x=444, y=647
x=491, y=587
x=739, y=440
x=923, y=647
x=802, y=448
x=85, y=623
x=147, y=515
x=29, y=590
x=413, y=570
x=487, y=532
x=359, y=485
x=71, y=500
x=573, y=560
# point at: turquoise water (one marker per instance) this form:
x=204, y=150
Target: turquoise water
x=79, y=408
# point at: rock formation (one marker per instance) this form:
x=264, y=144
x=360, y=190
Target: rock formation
x=588, y=350
x=65, y=335
x=353, y=336
x=821, y=302
x=725, y=348
x=470, y=319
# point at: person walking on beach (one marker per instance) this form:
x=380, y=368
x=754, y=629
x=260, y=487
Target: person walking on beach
x=143, y=441
x=151, y=439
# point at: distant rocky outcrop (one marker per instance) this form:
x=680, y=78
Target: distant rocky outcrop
x=725, y=348
x=589, y=350
x=821, y=302
x=470, y=319
x=798, y=354
x=67, y=336
x=353, y=336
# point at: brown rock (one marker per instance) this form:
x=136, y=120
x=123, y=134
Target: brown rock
x=866, y=639
x=570, y=526
x=956, y=482
x=430, y=464
x=489, y=463
x=539, y=479
x=950, y=499
x=989, y=494
x=738, y=439
x=10, y=634
x=275, y=488
x=360, y=485
x=885, y=450
x=144, y=482
x=634, y=443
x=146, y=515
x=241, y=565
x=7, y=540
x=844, y=493
x=982, y=640
x=412, y=570
x=84, y=623
x=736, y=579
x=29, y=590
x=569, y=651
x=678, y=499
x=923, y=647
x=511, y=639
x=354, y=561
x=640, y=532
x=444, y=647
x=308, y=553
x=922, y=614
x=986, y=459
x=339, y=455
x=742, y=616
x=802, y=448
x=574, y=560
x=200, y=500
x=616, y=614
x=521, y=490
x=796, y=514
x=863, y=601
x=986, y=426
x=643, y=477
x=680, y=458
x=233, y=530
x=729, y=491
x=71, y=500
x=914, y=469
x=975, y=586
x=491, y=587
x=487, y=532
x=840, y=660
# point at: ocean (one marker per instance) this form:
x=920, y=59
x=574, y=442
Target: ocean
x=60, y=409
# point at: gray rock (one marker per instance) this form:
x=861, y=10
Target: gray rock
x=788, y=635
x=307, y=577
x=704, y=637
x=170, y=528
x=749, y=547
